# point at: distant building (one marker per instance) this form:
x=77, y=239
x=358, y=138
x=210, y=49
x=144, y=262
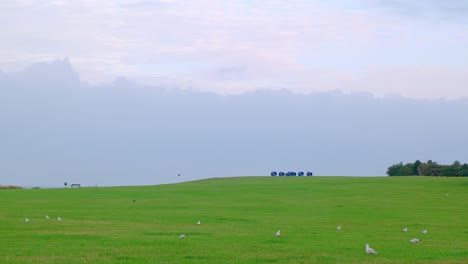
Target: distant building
x=75, y=185
x=291, y=173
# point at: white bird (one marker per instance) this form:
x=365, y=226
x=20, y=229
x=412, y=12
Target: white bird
x=47, y=217
x=446, y=194
x=405, y=229
x=424, y=231
x=182, y=236
x=59, y=219
x=278, y=233
x=370, y=250
x=198, y=222
x=338, y=228
x=415, y=240
x=27, y=220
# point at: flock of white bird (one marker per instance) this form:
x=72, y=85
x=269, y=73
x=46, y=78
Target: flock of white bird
x=59, y=219
x=369, y=250
x=373, y=251
x=182, y=236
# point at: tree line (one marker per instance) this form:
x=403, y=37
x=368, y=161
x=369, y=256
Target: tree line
x=429, y=168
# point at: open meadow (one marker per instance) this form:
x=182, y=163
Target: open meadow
x=239, y=218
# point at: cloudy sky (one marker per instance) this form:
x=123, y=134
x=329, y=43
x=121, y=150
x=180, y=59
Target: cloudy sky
x=56, y=129
x=228, y=88
x=412, y=48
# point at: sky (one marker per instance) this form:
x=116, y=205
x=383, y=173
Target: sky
x=107, y=93
x=55, y=129
x=415, y=48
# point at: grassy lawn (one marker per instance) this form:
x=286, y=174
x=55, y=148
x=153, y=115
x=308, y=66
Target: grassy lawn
x=239, y=219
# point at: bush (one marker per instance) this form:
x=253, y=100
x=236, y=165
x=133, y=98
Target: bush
x=10, y=187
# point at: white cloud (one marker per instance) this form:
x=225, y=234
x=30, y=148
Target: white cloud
x=225, y=46
x=416, y=81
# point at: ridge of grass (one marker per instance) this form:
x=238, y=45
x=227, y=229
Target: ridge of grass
x=239, y=219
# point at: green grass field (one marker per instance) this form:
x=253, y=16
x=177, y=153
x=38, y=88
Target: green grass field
x=239, y=219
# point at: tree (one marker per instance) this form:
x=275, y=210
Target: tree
x=400, y=170
x=464, y=170
x=424, y=169
x=456, y=168
x=394, y=170
x=415, y=168
x=430, y=168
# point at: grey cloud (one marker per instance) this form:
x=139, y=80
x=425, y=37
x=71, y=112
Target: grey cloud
x=59, y=129
x=145, y=4
x=232, y=73
x=454, y=10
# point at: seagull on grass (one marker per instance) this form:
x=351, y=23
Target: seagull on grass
x=405, y=229
x=370, y=250
x=424, y=231
x=278, y=233
x=415, y=240
x=338, y=228
x=182, y=236
x=198, y=222
x=59, y=219
x=27, y=220
x=47, y=217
